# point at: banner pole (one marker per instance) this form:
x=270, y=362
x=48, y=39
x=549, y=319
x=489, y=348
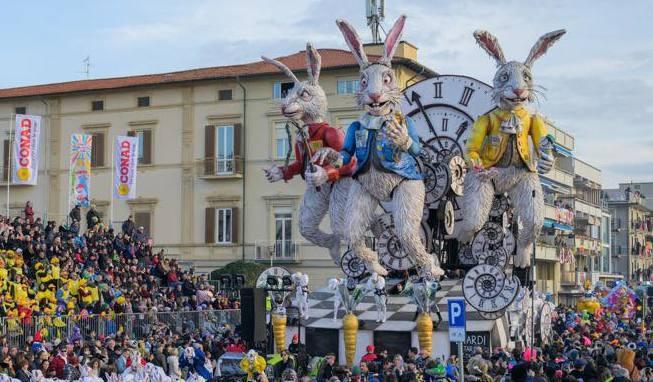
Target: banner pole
x=112, y=185
x=11, y=148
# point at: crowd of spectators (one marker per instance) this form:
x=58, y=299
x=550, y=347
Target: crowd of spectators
x=57, y=270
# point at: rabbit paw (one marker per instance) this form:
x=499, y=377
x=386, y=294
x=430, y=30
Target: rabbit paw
x=327, y=155
x=273, y=173
x=398, y=133
x=545, y=163
x=317, y=178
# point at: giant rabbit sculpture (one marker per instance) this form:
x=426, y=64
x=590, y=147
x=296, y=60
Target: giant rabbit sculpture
x=384, y=144
x=498, y=149
x=327, y=187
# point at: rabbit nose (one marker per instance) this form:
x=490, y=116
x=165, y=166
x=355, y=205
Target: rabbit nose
x=375, y=97
x=518, y=92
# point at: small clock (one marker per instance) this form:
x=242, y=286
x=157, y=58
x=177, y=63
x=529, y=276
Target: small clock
x=351, y=265
x=389, y=249
x=488, y=289
x=545, y=327
x=262, y=279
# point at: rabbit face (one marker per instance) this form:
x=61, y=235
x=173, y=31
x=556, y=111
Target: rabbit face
x=305, y=102
x=513, y=81
x=513, y=85
x=378, y=92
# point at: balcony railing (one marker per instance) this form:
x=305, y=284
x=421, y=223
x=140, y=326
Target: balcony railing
x=219, y=167
x=278, y=250
x=576, y=278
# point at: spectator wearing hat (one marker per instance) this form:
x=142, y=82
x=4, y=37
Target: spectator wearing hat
x=326, y=371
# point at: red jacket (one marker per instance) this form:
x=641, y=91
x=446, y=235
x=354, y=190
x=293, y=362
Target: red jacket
x=320, y=135
x=57, y=364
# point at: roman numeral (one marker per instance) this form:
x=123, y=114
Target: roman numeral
x=467, y=95
x=445, y=124
x=438, y=89
x=461, y=130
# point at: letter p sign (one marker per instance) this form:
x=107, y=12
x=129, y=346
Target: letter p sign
x=457, y=322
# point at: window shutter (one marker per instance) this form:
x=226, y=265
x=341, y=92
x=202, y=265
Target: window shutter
x=147, y=146
x=209, y=150
x=238, y=154
x=131, y=133
x=209, y=225
x=5, y=159
x=97, y=156
x=235, y=225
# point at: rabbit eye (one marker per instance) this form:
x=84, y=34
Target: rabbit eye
x=305, y=95
x=363, y=82
x=527, y=77
x=503, y=77
x=387, y=78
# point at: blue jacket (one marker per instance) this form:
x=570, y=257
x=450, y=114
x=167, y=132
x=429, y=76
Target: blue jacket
x=359, y=141
x=196, y=365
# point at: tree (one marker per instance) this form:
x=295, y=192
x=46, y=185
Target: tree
x=251, y=271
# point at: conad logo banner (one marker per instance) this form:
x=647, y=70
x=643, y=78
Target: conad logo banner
x=26, y=149
x=125, y=158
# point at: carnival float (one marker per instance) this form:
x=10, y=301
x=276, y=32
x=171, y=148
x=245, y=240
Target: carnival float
x=443, y=176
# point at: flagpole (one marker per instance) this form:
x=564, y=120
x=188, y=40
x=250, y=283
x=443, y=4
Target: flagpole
x=11, y=148
x=70, y=177
x=112, y=185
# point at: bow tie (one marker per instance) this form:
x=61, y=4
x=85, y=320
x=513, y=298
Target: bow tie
x=512, y=125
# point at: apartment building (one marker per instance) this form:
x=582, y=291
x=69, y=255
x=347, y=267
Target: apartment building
x=204, y=137
x=632, y=233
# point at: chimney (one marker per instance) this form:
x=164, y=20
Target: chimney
x=404, y=50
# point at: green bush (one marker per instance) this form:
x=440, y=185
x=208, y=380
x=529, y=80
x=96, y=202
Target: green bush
x=251, y=271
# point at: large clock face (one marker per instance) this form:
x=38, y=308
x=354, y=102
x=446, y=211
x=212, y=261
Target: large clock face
x=443, y=109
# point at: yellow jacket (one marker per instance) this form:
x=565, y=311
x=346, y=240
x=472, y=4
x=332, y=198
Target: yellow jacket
x=487, y=142
x=258, y=366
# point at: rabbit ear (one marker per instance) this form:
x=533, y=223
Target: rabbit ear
x=353, y=41
x=542, y=45
x=490, y=44
x=313, y=63
x=283, y=68
x=392, y=39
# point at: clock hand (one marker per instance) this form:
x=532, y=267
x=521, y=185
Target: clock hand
x=415, y=97
x=461, y=129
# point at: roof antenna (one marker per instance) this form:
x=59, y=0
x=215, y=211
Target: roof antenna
x=375, y=10
x=87, y=66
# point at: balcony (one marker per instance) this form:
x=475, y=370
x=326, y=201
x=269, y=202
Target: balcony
x=217, y=168
x=286, y=251
x=560, y=176
x=576, y=279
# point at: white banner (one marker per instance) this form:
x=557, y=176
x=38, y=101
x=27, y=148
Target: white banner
x=125, y=157
x=26, y=149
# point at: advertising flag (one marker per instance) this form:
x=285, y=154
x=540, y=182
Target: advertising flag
x=80, y=169
x=26, y=149
x=125, y=157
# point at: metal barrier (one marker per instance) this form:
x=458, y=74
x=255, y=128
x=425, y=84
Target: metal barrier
x=133, y=325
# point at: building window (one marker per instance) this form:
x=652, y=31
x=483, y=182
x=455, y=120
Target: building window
x=97, y=150
x=224, y=226
x=283, y=243
x=143, y=219
x=344, y=123
x=224, y=148
x=143, y=101
x=225, y=95
x=280, y=89
x=347, y=86
x=97, y=105
x=144, y=145
x=20, y=110
x=281, y=141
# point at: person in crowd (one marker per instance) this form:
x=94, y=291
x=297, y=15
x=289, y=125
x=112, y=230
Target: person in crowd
x=369, y=356
x=326, y=372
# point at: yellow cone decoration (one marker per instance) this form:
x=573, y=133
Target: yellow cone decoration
x=279, y=330
x=350, y=329
x=425, y=332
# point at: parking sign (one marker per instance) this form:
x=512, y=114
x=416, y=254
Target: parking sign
x=457, y=322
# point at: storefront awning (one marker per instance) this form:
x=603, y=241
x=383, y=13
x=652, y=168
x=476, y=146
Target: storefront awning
x=548, y=223
x=562, y=151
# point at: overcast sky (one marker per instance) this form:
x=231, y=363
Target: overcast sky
x=599, y=76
